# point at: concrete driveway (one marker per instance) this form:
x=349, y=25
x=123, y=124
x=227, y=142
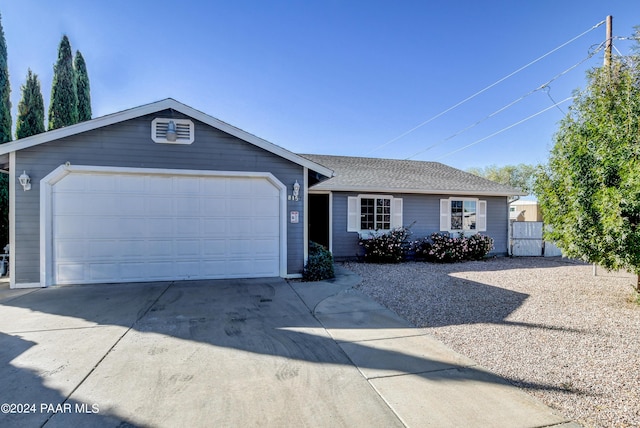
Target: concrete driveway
x=232, y=353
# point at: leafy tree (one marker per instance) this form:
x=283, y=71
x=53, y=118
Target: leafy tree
x=30, y=108
x=5, y=136
x=590, y=191
x=63, y=109
x=520, y=176
x=83, y=88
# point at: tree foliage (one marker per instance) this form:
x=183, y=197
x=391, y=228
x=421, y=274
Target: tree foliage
x=521, y=176
x=83, y=88
x=63, y=109
x=30, y=108
x=5, y=92
x=590, y=191
x=5, y=136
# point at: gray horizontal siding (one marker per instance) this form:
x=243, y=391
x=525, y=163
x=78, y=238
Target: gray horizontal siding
x=129, y=144
x=422, y=214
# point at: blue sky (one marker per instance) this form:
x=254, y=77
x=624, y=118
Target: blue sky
x=332, y=77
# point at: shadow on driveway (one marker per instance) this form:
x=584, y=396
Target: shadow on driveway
x=238, y=352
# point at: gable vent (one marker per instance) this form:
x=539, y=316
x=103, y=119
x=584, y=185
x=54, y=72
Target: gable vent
x=184, y=131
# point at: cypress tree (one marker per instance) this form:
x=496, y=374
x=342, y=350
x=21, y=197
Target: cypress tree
x=5, y=136
x=83, y=87
x=30, y=108
x=5, y=91
x=63, y=109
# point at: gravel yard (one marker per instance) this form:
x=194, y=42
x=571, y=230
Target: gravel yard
x=547, y=325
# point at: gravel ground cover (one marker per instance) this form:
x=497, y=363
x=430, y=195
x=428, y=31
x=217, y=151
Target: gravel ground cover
x=547, y=325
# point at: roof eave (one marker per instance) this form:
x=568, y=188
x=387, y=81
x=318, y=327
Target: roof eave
x=366, y=189
x=155, y=107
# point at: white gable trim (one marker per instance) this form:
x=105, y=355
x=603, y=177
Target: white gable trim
x=165, y=104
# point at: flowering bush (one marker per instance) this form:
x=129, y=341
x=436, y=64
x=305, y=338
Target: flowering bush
x=445, y=248
x=389, y=247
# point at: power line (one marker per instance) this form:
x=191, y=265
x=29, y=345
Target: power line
x=505, y=129
x=486, y=88
x=545, y=86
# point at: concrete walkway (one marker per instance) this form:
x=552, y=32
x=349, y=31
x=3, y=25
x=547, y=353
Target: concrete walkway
x=233, y=353
x=424, y=382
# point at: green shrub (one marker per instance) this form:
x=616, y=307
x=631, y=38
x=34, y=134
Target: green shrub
x=389, y=247
x=319, y=265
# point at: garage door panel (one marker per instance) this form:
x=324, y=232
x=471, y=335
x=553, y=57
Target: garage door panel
x=67, y=229
x=130, y=227
x=159, y=226
x=188, y=207
x=239, y=207
x=132, y=249
x=214, y=227
x=264, y=226
x=69, y=273
x=103, y=249
x=188, y=227
x=138, y=227
x=188, y=248
x=69, y=249
x=264, y=246
x=188, y=269
x=160, y=248
x=214, y=247
x=155, y=185
x=72, y=183
x=69, y=203
x=102, y=271
x=187, y=185
x=98, y=227
x=102, y=183
x=240, y=227
x=159, y=206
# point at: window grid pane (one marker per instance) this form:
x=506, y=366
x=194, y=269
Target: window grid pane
x=456, y=215
x=367, y=209
x=469, y=215
x=383, y=217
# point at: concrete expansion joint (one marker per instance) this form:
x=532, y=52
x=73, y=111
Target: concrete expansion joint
x=380, y=339
x=315, y=308
x=561, y=424
x=459, y=368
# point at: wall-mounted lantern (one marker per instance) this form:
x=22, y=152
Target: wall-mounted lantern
x=296, y=190
x=25, y=181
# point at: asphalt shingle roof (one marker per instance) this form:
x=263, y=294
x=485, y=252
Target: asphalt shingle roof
x=403, y=176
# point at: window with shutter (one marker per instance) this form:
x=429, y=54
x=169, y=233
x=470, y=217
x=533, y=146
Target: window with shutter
x=463, y=215
x=373, y=212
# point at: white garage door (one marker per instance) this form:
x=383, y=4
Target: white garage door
x=119, y=227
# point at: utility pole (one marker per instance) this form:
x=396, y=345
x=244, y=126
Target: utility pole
x=609, y=42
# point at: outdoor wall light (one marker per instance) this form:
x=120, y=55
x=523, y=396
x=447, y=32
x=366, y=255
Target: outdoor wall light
x=25, y=181
x=296, y=190
x=172, y=135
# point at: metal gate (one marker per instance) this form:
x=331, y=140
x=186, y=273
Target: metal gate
x=526, y=240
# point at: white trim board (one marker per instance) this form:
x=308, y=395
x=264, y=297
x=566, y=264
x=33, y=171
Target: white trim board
x=155, y=107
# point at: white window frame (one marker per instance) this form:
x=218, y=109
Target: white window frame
x=446, y=217
x=354, y=212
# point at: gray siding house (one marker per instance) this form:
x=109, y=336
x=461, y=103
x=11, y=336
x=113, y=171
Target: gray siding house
x=165, y=192
x=158, y=192
x=368, y=194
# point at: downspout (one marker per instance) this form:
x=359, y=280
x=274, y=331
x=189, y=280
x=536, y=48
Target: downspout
x=511, y=200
